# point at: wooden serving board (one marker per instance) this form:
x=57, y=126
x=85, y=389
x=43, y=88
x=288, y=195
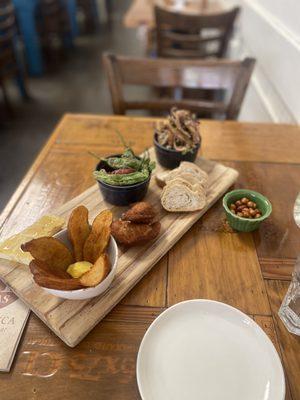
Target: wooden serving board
x=72, y=320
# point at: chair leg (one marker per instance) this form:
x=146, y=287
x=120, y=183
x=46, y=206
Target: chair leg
x=7, y=103
x=22, y=86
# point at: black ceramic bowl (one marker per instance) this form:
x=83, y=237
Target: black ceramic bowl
x=122, y=195
x=170, y=158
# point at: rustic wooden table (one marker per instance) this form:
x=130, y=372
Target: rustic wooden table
x=141, y=12
x=248, y=271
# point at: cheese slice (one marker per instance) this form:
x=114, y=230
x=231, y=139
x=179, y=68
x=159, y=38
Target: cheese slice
x=10, y=249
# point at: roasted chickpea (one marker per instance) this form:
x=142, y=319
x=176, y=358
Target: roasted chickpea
x=250, y=204
x=233, y=211
x=246, y=214
x=244, y=200
x=238, y=203
x=252, y=212
x=232, y=207
x=240, y=214
x=258, y=215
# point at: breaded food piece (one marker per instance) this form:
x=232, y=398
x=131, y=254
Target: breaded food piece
x=97, y=273
x=49, y=250
x=140, y=213
x=98, y=238
x=130, y=233
x=78, y=230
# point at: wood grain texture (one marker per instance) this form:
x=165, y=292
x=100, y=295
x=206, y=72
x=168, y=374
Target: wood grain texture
x=217, y=266
x=70, y=320
x=151, y=291
x=180, y=35
x=231, y=77
x=102, y=367
x=43, y=363
x=278, y=237
x=277, y=268
x=240, y=141
x=289, y=343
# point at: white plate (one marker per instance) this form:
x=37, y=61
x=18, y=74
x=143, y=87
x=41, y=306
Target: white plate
x=206, y=350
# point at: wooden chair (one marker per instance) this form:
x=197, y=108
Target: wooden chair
x=54, y=28
x=230, y=77
x=193, y=36
x=10, y=66
x=91, y=17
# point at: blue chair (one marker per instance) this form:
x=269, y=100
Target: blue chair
x=26, y=16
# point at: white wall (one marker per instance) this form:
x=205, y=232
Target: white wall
x=269, y=30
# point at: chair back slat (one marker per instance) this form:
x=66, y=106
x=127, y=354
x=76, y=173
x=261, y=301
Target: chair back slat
x=203, y=35
x=226, y=76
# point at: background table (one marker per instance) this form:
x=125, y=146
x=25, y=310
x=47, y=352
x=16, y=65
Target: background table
x=248, y=271
x=141, y=12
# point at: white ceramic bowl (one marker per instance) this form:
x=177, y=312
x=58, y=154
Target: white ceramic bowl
x=88, y=293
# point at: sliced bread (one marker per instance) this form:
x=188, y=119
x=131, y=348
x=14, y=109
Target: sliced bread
x=193, y=186
x=178, y=197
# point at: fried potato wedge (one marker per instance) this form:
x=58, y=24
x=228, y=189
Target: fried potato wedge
x=49, y=250
x=53, y=282
x=97, y=273
x=131, y=234
x=78, y=230
x=98, y=238
x=40, y=267
x=140, y=213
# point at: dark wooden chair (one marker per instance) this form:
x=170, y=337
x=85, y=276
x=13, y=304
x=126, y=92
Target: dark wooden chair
x=91, y=18
x=54, y=29
x=229, y=77
x=193, y=36
x=10, y=66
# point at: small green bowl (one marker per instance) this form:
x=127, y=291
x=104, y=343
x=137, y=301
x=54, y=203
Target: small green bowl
x=245, y=224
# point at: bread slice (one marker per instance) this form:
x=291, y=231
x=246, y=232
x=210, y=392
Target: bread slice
x=194, y=173
x=196, y=187
x=188, y=167
x=178, y=197
x=187, y=176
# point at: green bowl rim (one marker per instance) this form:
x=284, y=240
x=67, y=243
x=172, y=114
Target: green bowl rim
x=262, y=218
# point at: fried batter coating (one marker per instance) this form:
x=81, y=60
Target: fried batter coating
x=140, y=213
x=131, y=234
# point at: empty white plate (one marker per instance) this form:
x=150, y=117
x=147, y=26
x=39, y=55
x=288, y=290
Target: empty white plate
x=206, y=350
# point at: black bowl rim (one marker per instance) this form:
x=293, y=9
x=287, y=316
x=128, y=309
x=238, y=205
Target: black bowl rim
x=195, y=148
x=121, y=186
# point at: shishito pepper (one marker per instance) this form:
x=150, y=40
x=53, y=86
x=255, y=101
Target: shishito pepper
x=122, y=180
x=128, y=169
